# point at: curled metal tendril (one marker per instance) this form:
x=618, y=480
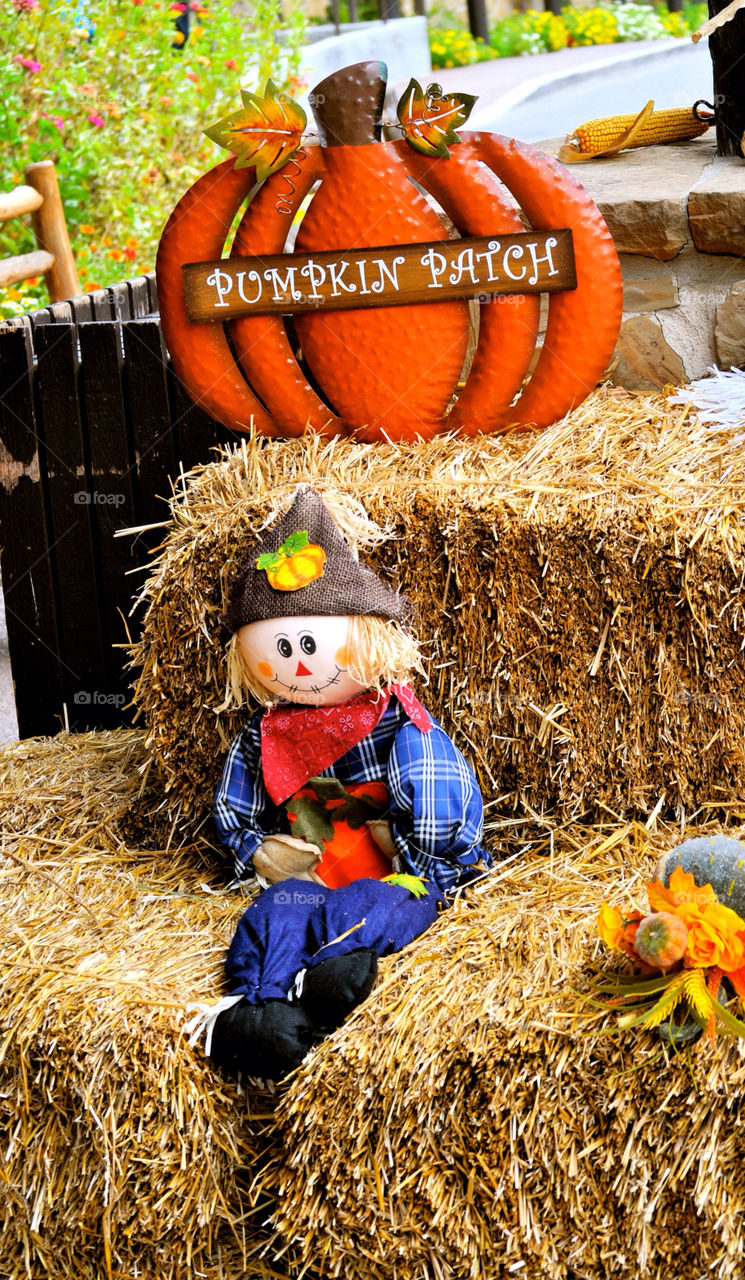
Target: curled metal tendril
x=283, y=204
x=704, y=117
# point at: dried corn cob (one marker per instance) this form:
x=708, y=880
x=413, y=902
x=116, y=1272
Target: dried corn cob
x=609, y=134
x=673, y=125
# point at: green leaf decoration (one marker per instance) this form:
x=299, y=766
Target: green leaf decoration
x=311, y=821
x=728, y=1020
x=354, y=810
x=270, y=559
x=630, y=985
x=429, y=119
x=327, y=788
x=266, y=133
x=294, y=543
x=414, y=884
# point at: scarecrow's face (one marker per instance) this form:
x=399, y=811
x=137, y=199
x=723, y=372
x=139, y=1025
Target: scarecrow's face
x=301, y=659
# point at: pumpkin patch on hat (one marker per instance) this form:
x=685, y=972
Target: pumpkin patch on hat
x=297, y=563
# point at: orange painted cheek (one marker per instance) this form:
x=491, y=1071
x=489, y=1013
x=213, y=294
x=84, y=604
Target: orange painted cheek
x=341, y=656
x=265, y=670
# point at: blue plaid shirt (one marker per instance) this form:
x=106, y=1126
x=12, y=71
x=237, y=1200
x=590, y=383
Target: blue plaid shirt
x=435, y=809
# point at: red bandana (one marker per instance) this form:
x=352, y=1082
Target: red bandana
x=297, y=743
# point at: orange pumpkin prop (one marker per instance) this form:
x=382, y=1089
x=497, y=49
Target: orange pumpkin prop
x=390, y=372
x=295, y=564
x=326, y=813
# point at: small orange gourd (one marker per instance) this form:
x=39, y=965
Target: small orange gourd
x=661, y=939
x=295, y=564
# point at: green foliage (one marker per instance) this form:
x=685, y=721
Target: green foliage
x=537, y=31
x=591, y=26
x=107, y=91
x=367, y=11
x=529, y=32
x=449, y=47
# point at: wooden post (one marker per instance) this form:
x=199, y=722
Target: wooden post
x=50, y=230
x=478, y=20
x=727, y=49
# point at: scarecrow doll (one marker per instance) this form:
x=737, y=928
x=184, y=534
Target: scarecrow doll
x=342, y=796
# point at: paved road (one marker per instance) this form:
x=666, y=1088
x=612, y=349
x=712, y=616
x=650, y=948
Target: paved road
x=674, y=77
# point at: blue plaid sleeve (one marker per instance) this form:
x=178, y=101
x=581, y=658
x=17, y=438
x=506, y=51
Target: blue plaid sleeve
x=243, y=812
x=437, y=815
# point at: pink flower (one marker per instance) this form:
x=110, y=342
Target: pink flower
x=25, y=6
x=96, y=120
x=180, y=8
x=231, y=64
x=54, y=119
x=28, y=63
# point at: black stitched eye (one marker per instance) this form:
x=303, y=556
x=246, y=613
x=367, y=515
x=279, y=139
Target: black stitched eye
x=285, y=648
x=307, y=644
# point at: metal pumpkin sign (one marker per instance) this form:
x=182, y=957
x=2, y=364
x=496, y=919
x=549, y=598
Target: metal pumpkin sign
x=375, y=284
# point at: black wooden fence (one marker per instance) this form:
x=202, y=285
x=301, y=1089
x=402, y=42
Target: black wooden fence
x=93, y=427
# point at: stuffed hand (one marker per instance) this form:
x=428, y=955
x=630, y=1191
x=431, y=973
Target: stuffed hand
x=380, y=830
x=281, y=857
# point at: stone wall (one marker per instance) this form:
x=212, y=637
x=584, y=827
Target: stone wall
x=677, y=216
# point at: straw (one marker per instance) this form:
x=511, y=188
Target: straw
x=124, y=1151
x=477, y=1118
x=579, y=592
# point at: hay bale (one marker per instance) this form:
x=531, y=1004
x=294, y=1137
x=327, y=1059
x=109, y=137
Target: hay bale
x=472, y=1117
x=124, y=1152
x=580, y=592
x=475, y=1119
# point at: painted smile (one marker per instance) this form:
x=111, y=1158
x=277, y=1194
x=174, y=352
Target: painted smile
x=314, y=688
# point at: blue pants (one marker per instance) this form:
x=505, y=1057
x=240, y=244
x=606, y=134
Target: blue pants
x=296, y=924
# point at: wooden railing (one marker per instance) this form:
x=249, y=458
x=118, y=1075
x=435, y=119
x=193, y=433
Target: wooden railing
x=94, y=428
x=52, y=258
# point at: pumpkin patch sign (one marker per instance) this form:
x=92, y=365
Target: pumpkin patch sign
x=360, y=326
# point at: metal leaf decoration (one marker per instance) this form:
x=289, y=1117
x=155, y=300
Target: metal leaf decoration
x=429, y=118
x=266, y=133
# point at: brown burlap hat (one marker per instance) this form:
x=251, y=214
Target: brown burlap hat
x=304, y=568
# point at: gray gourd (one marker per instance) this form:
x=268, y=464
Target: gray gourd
x=715, y=860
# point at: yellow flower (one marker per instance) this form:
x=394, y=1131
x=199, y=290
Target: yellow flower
x=716, y=936
x=617, y=931
x=682, y=891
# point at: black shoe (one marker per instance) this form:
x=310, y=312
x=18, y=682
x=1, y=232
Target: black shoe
x=266, y=1040
x=333, y=988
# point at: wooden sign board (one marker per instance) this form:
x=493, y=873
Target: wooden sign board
x=529, y=262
